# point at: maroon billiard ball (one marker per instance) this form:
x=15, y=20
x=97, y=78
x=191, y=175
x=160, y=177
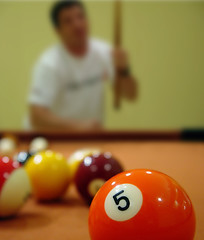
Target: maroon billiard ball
x=93, y=172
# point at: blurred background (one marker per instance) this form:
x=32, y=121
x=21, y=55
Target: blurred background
x=165, y=44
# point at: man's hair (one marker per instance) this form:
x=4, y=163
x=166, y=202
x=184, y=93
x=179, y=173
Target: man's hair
x=59, y=6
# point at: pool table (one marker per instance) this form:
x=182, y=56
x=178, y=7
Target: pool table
x=67, y=219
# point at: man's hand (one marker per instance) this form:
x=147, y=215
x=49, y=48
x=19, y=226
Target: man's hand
x=120, y=59
x=125, y=84
x=91, y=125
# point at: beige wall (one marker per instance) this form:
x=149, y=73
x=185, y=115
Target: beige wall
x=166, y=46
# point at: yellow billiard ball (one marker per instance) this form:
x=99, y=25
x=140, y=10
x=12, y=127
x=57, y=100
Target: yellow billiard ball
x=76, y=158
x=49, y=175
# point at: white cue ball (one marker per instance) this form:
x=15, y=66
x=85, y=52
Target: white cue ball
x=15, y=187
x=38, y=144
x=7, y=145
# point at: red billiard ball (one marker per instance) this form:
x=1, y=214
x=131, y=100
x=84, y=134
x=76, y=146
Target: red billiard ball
x=14, y=187
x=141, y=205
x=93, y=172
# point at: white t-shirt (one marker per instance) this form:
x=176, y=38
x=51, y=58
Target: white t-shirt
x=72, y=87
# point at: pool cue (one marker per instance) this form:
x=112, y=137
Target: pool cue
x=117, y=43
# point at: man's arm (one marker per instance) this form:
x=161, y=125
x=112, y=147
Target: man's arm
x=43, y=119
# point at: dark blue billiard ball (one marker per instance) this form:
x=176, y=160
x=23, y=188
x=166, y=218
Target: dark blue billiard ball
x=23, y=157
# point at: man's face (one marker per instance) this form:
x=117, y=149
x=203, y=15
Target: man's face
x=73, y=25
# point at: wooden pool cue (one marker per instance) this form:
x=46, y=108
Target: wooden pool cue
x=117, y=43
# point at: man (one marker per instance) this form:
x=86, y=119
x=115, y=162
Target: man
x=67, y=89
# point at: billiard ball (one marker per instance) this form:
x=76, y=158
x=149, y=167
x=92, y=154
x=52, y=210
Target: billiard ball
x=14, y=187
x=23, y=157
x=7, y=146
x=92, y=173
x=77, y=157
x=49, y=175
x=141, y=205
x=38, y=144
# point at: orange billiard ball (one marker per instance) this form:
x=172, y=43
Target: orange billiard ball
x=141, y=205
